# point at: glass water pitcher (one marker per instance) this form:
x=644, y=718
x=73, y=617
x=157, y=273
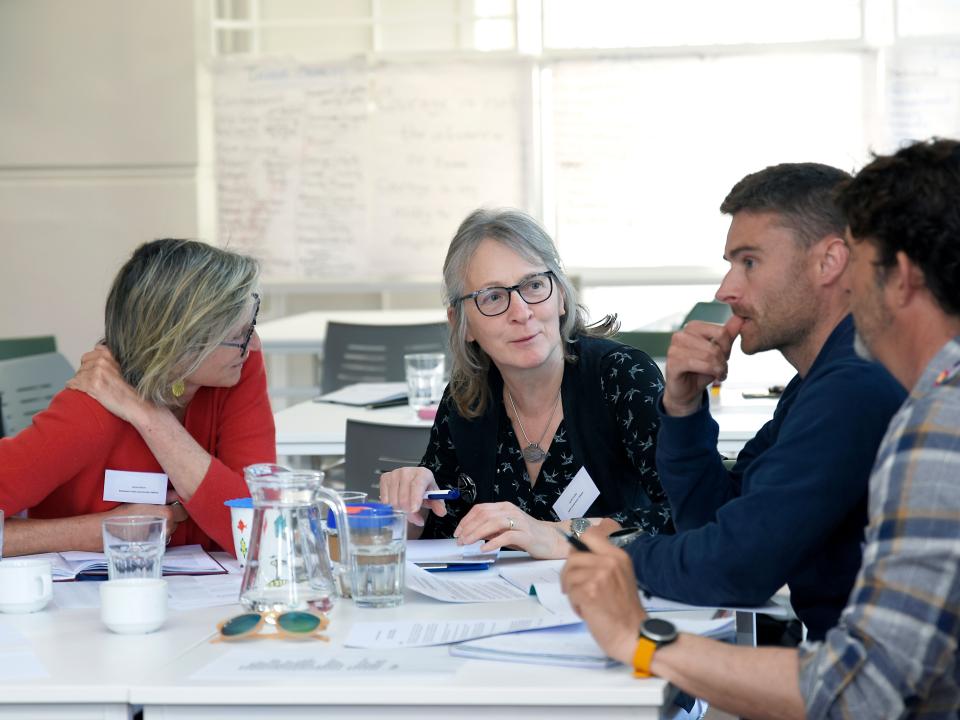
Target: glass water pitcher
x=288, y=565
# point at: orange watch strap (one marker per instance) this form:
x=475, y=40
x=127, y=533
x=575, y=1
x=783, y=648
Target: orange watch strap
x=642, y=657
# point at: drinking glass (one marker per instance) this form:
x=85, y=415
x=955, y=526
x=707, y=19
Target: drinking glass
x=378, y=552
x=425, y=378
x=134, y=546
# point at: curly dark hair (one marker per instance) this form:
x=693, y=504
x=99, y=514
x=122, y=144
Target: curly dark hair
x=910, y=202
x=802, y=193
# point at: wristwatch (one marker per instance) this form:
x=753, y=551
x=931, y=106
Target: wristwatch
x=578, y=526
x=654, y=634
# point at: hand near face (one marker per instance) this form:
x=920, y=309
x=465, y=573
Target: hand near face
x=503, y=523
x=403, y=488
x=603, y=591
x=697, y=356
x=99, y=377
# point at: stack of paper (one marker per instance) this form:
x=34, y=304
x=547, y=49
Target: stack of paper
x=368, y=394
x=570, y=645
x=433, y=554
x=182, y=560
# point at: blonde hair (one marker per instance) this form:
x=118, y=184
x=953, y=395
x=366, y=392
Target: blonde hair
x=521, y=233
x=172, y=303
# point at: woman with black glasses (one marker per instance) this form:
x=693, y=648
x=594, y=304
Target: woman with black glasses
x=175, y=395
x=546, y=424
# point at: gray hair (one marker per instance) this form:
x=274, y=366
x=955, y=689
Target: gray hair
x=172, y=303
x=521, y=233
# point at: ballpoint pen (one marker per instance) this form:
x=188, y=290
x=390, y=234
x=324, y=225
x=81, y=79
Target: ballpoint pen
x=451, y=494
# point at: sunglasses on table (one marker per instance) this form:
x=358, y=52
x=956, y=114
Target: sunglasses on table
x=293, y=624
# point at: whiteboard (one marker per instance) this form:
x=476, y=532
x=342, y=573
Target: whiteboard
x=352, y=171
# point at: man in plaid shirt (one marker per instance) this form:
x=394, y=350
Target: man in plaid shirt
x=894, y=652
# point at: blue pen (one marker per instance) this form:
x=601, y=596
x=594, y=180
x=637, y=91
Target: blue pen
x=441, y=494
x=455, y=567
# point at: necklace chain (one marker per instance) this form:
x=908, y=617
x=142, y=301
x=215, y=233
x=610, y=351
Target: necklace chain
x=532, y=453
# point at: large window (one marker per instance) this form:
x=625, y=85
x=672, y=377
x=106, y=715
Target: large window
x=644, y=113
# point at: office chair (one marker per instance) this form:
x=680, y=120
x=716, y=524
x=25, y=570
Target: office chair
x=21, y=347
x=372, y=448
x=27, y=384
x=711, y=311
x=374, y=353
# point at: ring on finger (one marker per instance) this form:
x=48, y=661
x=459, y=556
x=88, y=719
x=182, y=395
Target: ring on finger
x=511, y=523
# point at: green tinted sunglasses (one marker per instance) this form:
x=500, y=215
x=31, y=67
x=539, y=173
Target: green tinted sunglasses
x=297, y=624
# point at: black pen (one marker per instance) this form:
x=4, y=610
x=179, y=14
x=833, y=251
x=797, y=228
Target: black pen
x=577, y=543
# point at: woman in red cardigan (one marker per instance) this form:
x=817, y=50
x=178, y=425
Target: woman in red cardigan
x=178, y=387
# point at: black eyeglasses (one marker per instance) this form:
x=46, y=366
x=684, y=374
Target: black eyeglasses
x=246, y=338
x=492, y=301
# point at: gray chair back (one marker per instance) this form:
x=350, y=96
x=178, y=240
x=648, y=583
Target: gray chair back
x=27, y=385
x=374, y=353
x=711, y=311
x=372, y=448
x=23, y=346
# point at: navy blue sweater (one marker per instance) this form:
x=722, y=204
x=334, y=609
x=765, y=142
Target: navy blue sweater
x=793, y=508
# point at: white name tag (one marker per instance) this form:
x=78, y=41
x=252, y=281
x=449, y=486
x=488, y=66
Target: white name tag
x=135, y=487
x=578, y=497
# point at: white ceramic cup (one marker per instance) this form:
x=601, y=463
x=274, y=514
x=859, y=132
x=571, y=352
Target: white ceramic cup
x=241, y=518
x=134, y=605
x=26, y=585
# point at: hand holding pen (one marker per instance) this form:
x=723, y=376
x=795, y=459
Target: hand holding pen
x=410, y=489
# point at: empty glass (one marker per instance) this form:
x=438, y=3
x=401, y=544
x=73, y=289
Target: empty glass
x=134, y=546
x=425, y=374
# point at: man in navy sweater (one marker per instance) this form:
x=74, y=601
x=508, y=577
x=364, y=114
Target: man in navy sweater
x=793, y=508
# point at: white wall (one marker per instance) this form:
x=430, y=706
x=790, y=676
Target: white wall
x=98, y=153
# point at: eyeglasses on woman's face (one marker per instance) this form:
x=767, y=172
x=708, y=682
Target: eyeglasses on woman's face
x=249, y=332
x=533, y=289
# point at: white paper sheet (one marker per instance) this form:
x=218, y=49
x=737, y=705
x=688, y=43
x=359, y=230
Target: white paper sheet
x=571, y=645
x=362, y=394
x=268, y=660
x=185, y=592
x=447, y=551
x=457, y=588
x=415, y=633
x=526, y=575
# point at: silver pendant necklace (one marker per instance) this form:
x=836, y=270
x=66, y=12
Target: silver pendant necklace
x=532, y=453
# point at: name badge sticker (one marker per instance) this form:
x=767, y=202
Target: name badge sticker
x=578, y=497
x=127, y=486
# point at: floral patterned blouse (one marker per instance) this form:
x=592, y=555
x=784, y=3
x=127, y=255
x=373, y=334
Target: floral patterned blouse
x=631, y=383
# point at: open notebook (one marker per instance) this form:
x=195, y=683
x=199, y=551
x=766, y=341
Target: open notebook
x=181, y=560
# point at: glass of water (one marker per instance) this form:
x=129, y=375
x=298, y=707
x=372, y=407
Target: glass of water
x=378, y=551
x=425, y=374
x=134, y=546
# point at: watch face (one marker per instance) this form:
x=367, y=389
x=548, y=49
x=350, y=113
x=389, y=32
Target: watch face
x=658, y=630
x=579, y=525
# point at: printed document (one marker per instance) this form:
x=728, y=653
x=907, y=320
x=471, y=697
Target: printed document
x=456, y=587
x=421, y=633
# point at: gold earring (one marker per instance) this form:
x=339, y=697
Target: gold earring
x=178, y=389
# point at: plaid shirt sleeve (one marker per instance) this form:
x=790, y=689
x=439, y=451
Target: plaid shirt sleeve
x=894, y=651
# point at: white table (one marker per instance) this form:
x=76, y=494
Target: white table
x=93, y=673
x=312, y=428
x=305, y=332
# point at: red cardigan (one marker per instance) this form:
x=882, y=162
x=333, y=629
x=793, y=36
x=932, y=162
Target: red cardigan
x=55, y=467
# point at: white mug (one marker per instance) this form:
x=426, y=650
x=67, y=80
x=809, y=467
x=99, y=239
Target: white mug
x=26, y=585
x=134, y=605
